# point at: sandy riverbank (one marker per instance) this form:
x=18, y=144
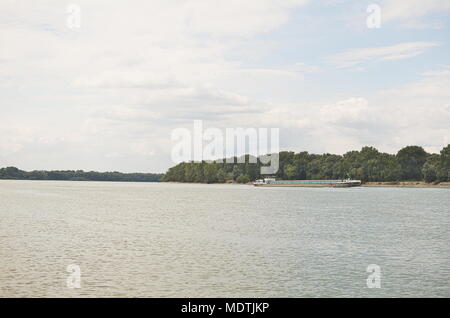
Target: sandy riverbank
x=407, y=184
x=400, y=184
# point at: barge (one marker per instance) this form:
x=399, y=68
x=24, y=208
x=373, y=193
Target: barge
x=339, y=183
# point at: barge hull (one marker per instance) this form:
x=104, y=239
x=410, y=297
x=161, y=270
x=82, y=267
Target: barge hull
x=311, y=185
x=339, y=183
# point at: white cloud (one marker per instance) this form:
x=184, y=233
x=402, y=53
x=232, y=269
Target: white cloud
x=108, y=95
x=351, y=110
x=433, y=86
x=237, y=17
x=399, y=51
x=131, y=70
x=409, y=12
x=417, y=113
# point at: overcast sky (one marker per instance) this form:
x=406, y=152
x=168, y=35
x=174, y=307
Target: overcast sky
x=107, y=95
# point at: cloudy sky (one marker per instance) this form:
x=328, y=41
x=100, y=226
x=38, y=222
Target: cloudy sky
x=107, y=95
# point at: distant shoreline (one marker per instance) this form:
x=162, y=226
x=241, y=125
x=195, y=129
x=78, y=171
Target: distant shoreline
x=14, y=173
x=400, y=184
x=407, y=184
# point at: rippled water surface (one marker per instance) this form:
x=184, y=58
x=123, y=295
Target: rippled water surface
x=179, y=240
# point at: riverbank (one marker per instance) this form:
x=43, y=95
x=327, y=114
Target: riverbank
x=407, y=184
x=392, y=184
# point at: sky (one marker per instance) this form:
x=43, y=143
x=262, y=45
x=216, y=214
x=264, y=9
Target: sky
x=104, y=92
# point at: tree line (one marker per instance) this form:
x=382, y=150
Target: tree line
x=77, y=175
x=411, y=163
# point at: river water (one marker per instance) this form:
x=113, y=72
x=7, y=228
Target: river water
x=184, y=240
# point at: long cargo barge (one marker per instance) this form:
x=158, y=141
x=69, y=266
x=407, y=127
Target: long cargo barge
x=340, y=183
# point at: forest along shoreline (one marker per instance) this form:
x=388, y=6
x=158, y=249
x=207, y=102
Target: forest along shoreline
x=412, y=166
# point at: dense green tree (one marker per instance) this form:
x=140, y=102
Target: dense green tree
x=411, y=160
x=368, y=164
x=243, y=178
x=301, y=165
x=290, y=171
x=210, y=173
x=430, y=168
x=79, y=175
x=221, y=176
x=443, y=172
x=284, y=158
x=12, y=173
